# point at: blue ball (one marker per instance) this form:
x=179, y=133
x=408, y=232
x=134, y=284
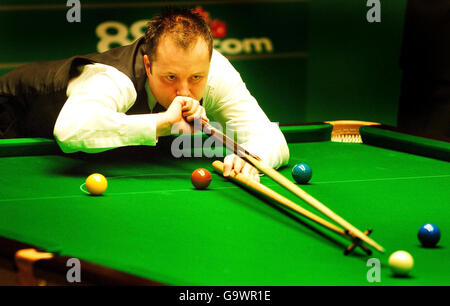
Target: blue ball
x=302, y=173
x=429, y=235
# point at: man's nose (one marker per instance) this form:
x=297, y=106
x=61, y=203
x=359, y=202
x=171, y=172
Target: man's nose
x=183, y=89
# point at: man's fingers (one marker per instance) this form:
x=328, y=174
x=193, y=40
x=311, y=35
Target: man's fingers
x=228, y=164
x=204, y=114
x=239, y=164
x=248, y=170
x=187, y=104
x=256, y=177
x=197, y=115
x=251, y=172
x=191, y=111
x=234, y=162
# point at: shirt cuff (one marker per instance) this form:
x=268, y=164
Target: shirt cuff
x=139, y=130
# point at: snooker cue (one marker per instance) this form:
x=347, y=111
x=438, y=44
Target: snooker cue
x=283, y=181
x=355, y=244
x=266, y=191
x=224, y=139
x=262, y=189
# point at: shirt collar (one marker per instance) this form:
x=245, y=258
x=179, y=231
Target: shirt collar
x=151, y=99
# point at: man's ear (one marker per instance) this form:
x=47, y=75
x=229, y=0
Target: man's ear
x=147, y=65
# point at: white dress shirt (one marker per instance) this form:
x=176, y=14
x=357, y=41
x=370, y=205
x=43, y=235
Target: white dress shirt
x=94, y=118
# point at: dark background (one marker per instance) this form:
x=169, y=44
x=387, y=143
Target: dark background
x=325, y=60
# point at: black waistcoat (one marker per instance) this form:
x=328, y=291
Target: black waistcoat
x=38, y=90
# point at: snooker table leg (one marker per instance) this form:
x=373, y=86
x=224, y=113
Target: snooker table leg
x=24, y=260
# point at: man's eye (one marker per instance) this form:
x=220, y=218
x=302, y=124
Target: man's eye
x=171, y=77
x=196, y=77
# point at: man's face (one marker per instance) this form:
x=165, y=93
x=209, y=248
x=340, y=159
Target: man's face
x=178, y=72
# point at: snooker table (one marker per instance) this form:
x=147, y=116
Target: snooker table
x=152, y=227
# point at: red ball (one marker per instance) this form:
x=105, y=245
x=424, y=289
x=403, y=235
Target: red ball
x=201, y=178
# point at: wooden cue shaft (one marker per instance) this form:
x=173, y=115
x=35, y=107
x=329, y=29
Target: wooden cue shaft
x=227, y=141
x=280, y=179
x=260, y=188
x=283, y=181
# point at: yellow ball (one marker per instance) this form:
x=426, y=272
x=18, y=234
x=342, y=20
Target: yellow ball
x=96, y=184
x=401, y=262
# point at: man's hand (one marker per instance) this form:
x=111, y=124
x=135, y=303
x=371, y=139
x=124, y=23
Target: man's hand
x=192, y=110
x=180, y=116
x=234, y=162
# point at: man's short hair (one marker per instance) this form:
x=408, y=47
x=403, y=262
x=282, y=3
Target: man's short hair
x=183, y=25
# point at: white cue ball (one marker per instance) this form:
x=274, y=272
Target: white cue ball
x=401, y=262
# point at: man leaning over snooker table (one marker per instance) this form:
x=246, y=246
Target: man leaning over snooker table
x=134, y=94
